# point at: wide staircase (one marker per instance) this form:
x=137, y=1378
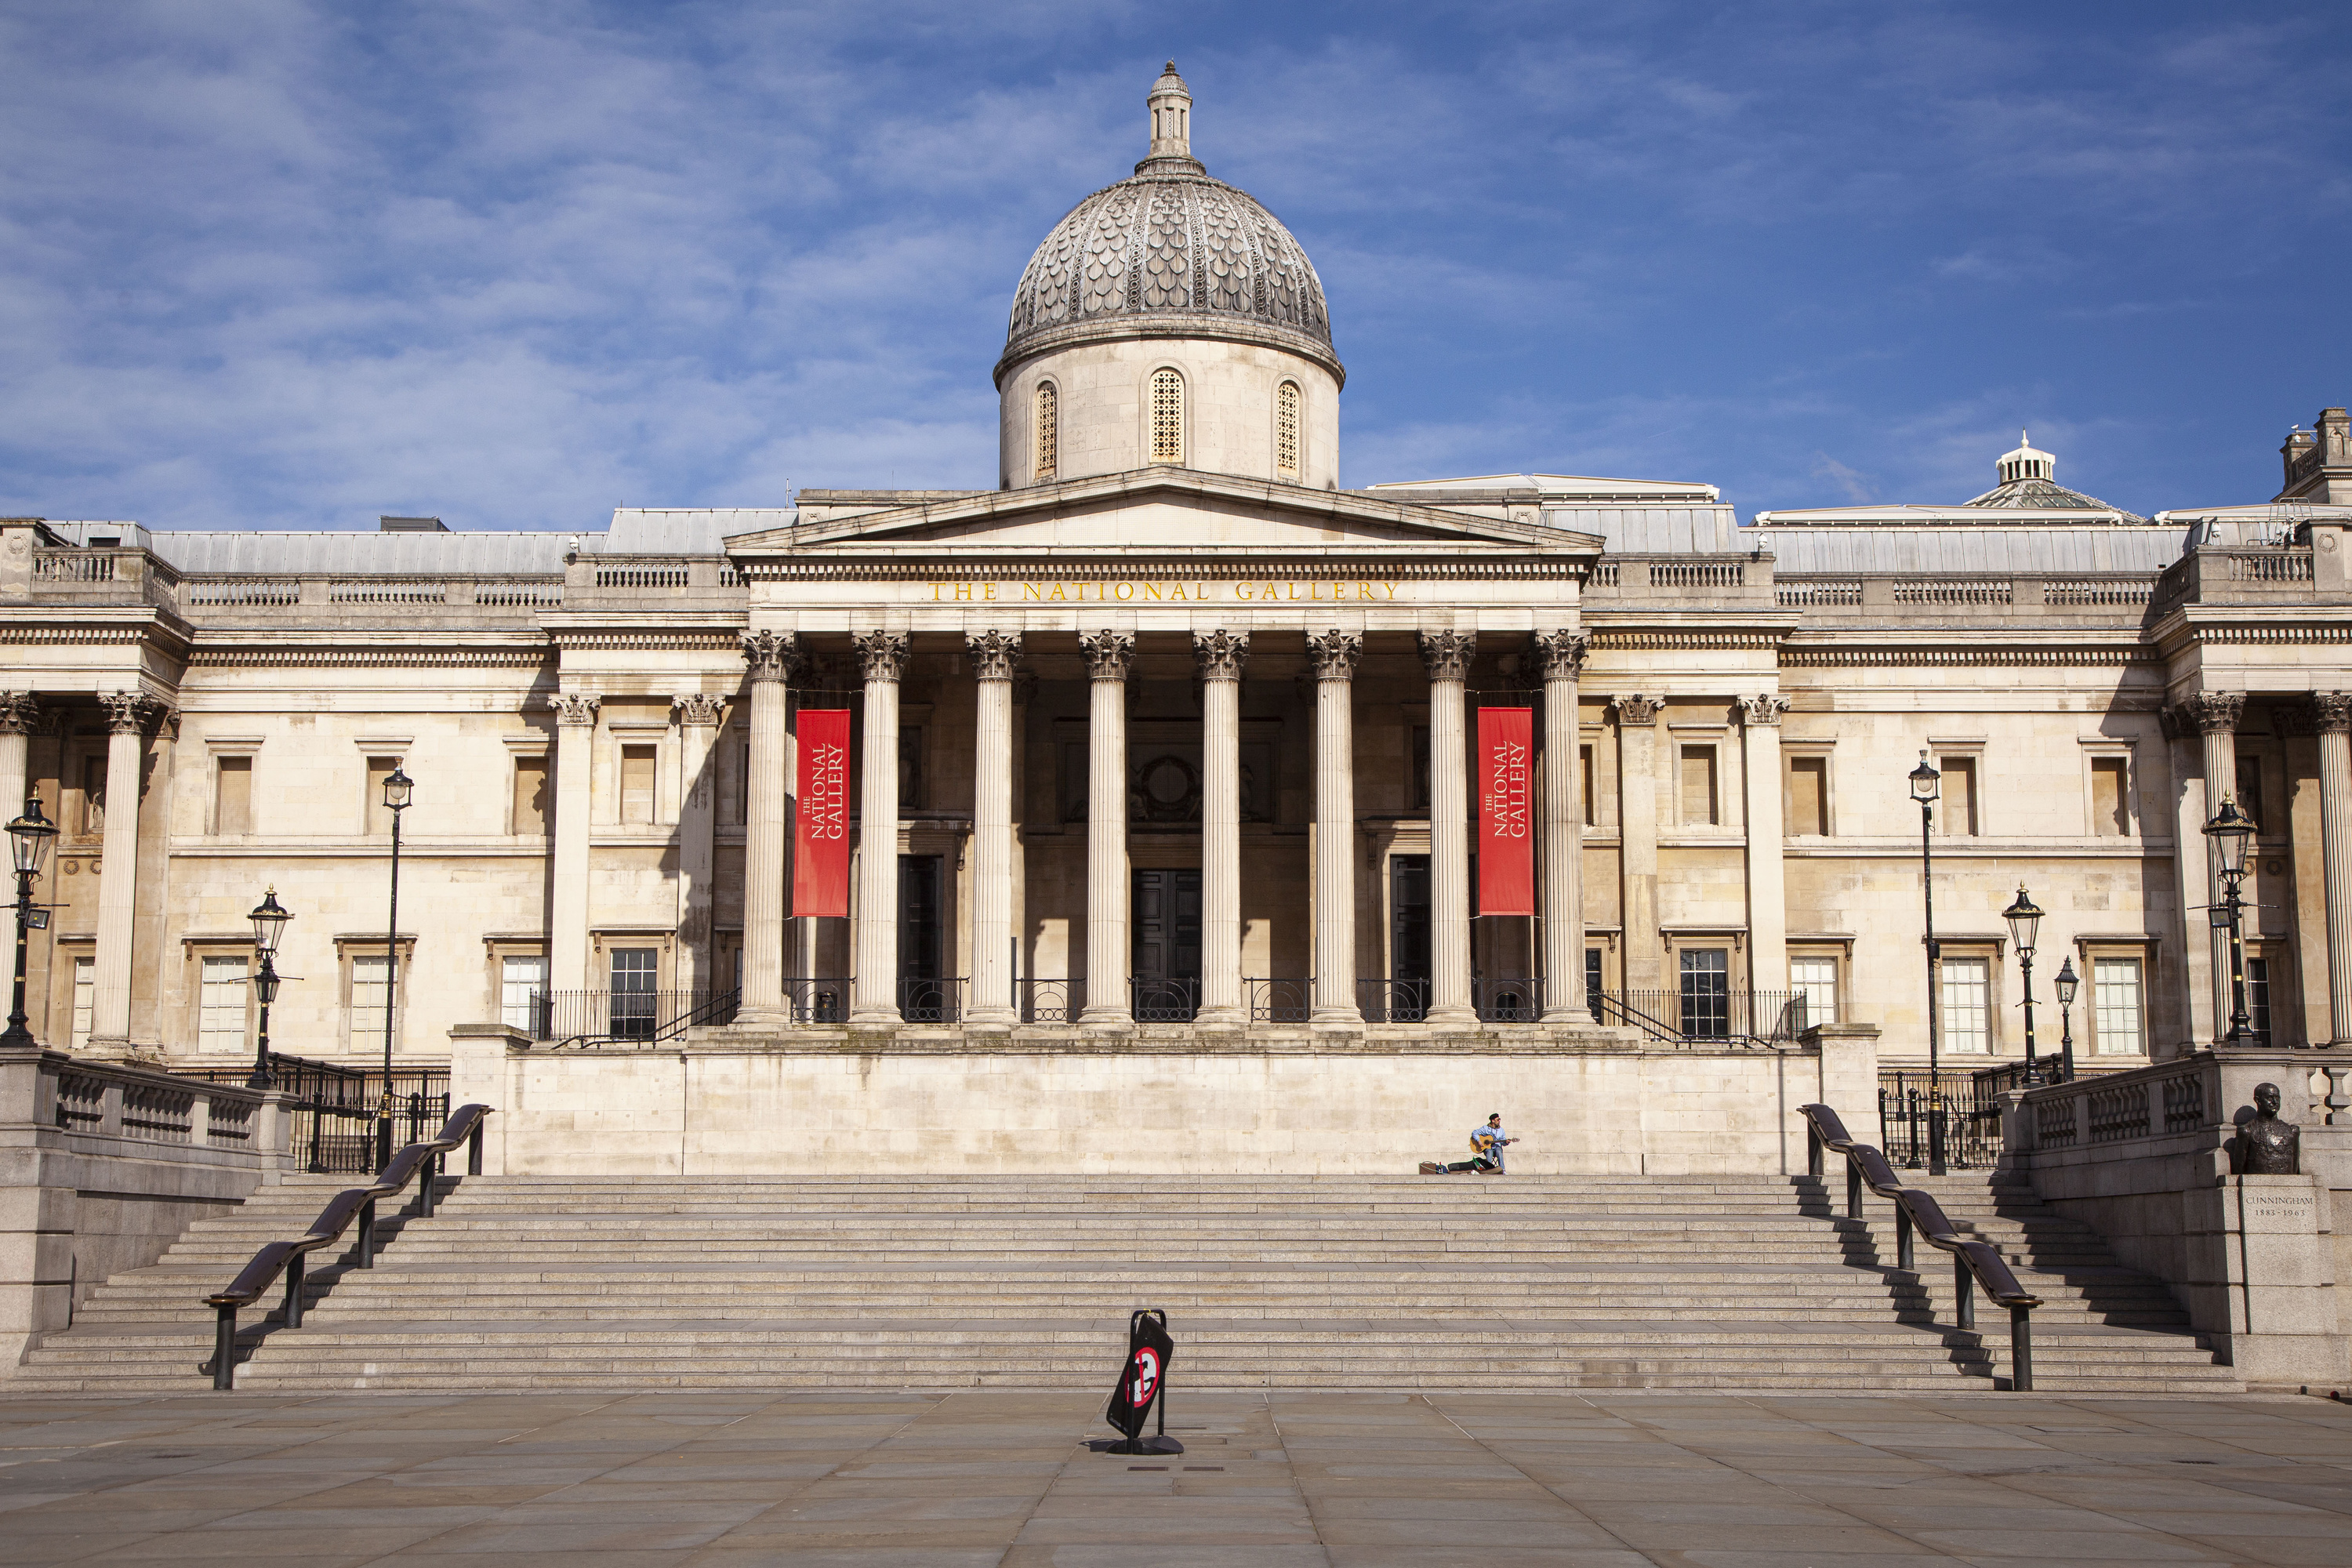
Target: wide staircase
x=1530, y=1283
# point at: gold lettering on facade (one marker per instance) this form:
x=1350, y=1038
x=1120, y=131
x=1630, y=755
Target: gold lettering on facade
x=1125, y=590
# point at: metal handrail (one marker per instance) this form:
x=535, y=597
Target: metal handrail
x=417, y=1162
x=1973, y=1262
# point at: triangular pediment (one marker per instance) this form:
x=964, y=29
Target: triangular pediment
x=1162, y=510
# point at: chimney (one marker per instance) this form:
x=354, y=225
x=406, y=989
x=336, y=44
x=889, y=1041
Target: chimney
x=410, y=525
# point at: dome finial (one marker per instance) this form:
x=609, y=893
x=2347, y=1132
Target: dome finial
x=1170, y=104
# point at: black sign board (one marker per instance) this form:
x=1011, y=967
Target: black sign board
x=1142, y=1385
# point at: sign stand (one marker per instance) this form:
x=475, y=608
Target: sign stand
x=1142, y=1384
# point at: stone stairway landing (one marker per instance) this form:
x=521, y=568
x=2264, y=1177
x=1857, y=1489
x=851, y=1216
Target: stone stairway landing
x=1524, y=1282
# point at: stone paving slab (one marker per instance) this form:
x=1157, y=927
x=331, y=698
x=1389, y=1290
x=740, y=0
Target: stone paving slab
x=1002, y=1479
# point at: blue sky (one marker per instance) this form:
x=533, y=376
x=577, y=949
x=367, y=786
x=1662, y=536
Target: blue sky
x=265, y=263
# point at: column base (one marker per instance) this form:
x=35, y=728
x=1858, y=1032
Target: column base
x=875, y=1018
x=1220, y=1018
x=763, y=1016
x=1107, y=1020
x=992, y=1017
x=1453, y=1018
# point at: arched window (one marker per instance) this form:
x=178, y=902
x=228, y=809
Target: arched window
x=1048, y=431
x=1286, y=430
x=1167, y=416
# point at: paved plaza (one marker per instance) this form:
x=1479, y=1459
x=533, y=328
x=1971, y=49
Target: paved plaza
x=1281, y=1480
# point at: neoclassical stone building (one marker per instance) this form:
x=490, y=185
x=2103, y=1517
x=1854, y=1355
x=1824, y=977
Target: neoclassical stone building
x=1174, y=754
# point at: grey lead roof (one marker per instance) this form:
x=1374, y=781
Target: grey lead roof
x=686, y=531
x=2097, y=548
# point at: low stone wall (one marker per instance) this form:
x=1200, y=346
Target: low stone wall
x=1056, y=1102
x=2144, y=1158
x=102, y=1167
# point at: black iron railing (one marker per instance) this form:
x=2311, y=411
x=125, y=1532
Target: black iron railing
x=931, y=1001
x=1164, y=1001
x=1278, y=999
x=1507, y=1000
x=818, y=999
x=333, y=1106
x=1050, y=1001
x=1912, y=1101
x=1974, y=1262
x=1389, y=999
x=587, y=1017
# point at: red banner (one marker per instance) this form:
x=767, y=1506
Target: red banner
x=1506, y=839
x=820, y=841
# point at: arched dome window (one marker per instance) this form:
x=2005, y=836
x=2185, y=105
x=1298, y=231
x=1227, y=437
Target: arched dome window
x=1049, y=433
x=1286, y=430
x=1167, y=416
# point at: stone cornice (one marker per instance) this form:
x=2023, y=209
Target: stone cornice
x=371, y=658
x=1064, y=563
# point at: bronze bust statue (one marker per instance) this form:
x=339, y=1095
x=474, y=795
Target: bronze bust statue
x=2269, y=1146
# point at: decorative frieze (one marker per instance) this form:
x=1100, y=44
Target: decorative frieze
x=1446, y=656
x=882, y=655
x=770, y=656
x=1559, y=655
x=698, y=709
x=1335, y=654
x=1635, y=708
x=1109, y=654
x=1221, y=654
x=575, y=706
x=996, y=655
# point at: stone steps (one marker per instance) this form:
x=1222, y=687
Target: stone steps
x=932, y=1282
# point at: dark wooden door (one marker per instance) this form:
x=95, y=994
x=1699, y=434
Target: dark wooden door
x=921, y=998
x=1408, y=991
x=1166, y=957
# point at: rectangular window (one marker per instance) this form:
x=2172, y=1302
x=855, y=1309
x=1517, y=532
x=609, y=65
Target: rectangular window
x=1813, y=983
x=2110, y=799
x=637, y=783
x=1959, y=812
x=1807, y=807
x=530, y=796
x=1967, y=1005
x=1584, y=766
x=93, y=795
x=1707, y=993
x=635, y=969
x=220, y=1008
x=522, y=977
x=2250, y=788
x=233, y=796
x=85, y=992
x=379, y=816
x=2258, y=998
x=2115, y=1006
x=368, y=993
x=1698, y=784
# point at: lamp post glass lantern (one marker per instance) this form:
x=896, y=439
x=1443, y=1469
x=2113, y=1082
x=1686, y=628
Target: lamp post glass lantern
x=29, y=838
x=2232, y=833
x=269, y=918
x=2066, y=983
x=2024, y=918
x=1927, y=785
x=397, y=789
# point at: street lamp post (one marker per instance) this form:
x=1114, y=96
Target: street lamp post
x=397, y=791
x=269, y=918
x=2024, y=924
x=2065, y=985
x=1927, y=783
x=2233, y=833
x=29, y=838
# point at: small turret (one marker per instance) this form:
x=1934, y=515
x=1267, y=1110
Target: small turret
x=2027, y=462
x=1171, y=127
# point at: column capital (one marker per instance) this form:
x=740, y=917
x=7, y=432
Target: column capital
x=882, y=655
x=1221, y=654
x=698, y=709
x=1635, y=709
x=575, y=706
x=1560, y=654
x=772, y=656
x=2216, y=712
x=1335, y=654
x=126, y=712
x=995, y=656
x=1763, y=708
x=1446, y=655
x=19, y=713
x=2331, y=712
x=1108, y=653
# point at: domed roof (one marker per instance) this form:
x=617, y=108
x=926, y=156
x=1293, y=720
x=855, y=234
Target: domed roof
x=1170, y=253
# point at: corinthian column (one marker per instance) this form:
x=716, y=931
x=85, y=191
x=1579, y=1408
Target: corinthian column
x=875, y=990
x=770, y=658
x=995, y=659
x=2216, y=716
x=2332, y=714
x=1108, y=655
x=1637, y=829
x=1446, y=656
x=1334, y=655
x=18, y=714
x=697, y=730
x=127, y=714
x=567, y=920
x=1221, y=656
x=1560, y=655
